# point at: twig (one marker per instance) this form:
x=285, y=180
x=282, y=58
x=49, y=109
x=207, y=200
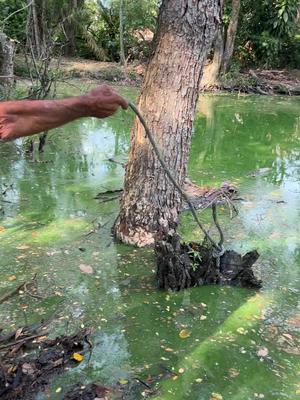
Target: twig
x=11, y=293
x=15, y=12
x=5, y=346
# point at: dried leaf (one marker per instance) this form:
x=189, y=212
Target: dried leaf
x=184, y=334
x=12, y=278
x=27, y=369
x=86, y=269
x=23, y=247
x=18, y=333
x=233, y=373
x=216, y=396
x=263, y=352
x=2, y=229
x=181, y=370
x=199, y=380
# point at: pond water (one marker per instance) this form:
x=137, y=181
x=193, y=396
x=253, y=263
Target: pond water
x=237, y=344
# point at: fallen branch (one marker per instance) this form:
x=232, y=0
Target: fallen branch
x=12, y=292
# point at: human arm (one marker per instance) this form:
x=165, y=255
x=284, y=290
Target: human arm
x=27, y=117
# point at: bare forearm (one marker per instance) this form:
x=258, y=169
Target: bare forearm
x=23, y=118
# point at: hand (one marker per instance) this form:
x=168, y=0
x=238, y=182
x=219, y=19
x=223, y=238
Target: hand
x=104, y=102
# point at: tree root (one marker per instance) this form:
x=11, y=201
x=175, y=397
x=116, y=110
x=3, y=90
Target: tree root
x=181, y=265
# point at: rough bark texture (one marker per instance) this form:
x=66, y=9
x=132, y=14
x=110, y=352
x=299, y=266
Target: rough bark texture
x=231, y=34
x=184, y=265
x=150, y=204
x=212, y=71
x=7, y=54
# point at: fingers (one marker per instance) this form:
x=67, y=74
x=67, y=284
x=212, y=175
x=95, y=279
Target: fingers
x=123, y=103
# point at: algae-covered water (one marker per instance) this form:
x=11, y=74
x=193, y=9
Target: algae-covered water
x=205, y=343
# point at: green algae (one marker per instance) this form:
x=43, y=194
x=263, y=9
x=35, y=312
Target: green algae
x=53, y=224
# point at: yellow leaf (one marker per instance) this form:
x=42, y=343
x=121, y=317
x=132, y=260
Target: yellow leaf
x=298, y=392
x=216, y=396
x=12, y=278
x=2, y=229
x=123, y=381
x=77, y=357
x=184, y=334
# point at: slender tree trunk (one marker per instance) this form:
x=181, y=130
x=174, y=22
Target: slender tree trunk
x=122, y=51
x=212, y=71
x=150, y=204
x=70, y=27
x=231, y=35
x=7, y=54
x=36, y=30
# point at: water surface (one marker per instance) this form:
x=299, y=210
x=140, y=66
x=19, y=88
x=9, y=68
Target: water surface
x=242, y=345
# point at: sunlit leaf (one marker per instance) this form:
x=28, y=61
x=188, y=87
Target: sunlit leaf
x=123, y=381
x=77, y=357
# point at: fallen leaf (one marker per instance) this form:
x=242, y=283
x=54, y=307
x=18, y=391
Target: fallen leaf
x=292, y=350
x=233, y=373
x=2, y=229
x=123, y=381
x=181, y=370
x=77, y=357
x=199, y=380
x=27, y=369
x=12, y=278
x=86, y=269
x=242, y=331
x=58, y=390
x=18, y=333
x=263, y=352
x=184, y=334
x=169, y=350
x=23, y=247
x=203, y=317
x=216, y=396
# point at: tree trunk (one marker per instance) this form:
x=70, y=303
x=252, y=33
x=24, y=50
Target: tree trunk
x=7, y=54
x=36, y=30
x=212, y=71
x=70, y=27
x=122, y=51
x=150, y=204
x=231, y=35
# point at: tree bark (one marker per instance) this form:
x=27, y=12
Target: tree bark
x=121, y=17
x=150, y=204
x=7, y=54
x=231, y=35
x=212, y=71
